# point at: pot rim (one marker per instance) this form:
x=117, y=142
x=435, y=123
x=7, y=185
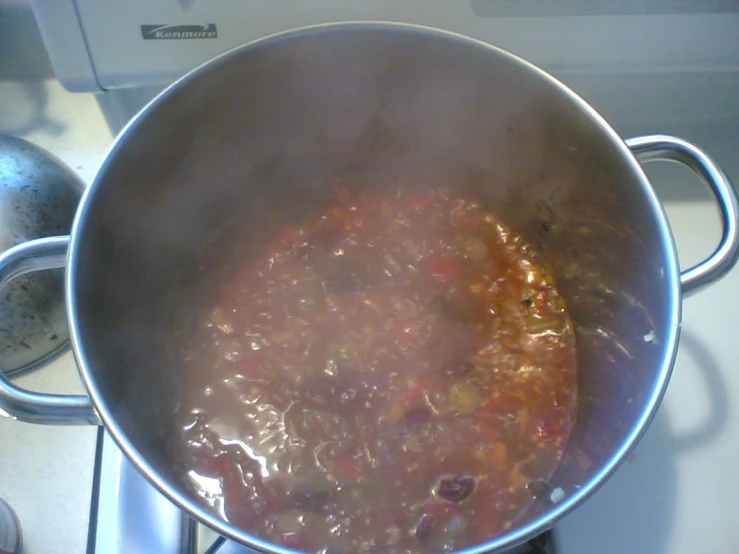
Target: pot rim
x=517, y=534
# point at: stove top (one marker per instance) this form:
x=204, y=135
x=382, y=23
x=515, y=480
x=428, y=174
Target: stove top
x=675, y=494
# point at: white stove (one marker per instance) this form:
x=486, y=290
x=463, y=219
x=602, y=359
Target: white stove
x=649, y=67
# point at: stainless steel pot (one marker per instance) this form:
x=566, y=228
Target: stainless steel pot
x=250, y=139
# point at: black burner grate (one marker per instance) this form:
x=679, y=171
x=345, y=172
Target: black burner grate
x=542, y=544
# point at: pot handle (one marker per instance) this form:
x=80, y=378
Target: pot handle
x=665, y=148
x=19, y=403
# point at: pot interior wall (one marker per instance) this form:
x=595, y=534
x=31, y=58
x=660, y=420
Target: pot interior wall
x=226, y=156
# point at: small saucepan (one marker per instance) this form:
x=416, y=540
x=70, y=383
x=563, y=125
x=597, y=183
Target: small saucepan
x=252, y=134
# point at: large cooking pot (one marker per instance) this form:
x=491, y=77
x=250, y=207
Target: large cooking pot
x=252, y=138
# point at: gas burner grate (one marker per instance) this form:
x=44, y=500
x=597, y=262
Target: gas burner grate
x=541, y=544
x=216, y=546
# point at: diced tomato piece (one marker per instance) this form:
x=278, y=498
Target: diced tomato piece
x=541, y=299
x=363, y=212
x=242, y=510
x=349, y=468
x=296, y=541
x=408, y=395
x=548, y=429
x=232, y=480
x=211, y=465
x=251, y=365
x=445, y=268
x=418, y=200
x=348, y=218
x=414, y=390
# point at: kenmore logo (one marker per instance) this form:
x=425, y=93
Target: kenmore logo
x=169, y=32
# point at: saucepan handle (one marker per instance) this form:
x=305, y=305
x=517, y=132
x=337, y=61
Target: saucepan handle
x=665, y=148
x=19, y=403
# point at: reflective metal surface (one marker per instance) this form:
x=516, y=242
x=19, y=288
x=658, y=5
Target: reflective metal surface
x=663, y=148
x=38, y=198
x=34, y=407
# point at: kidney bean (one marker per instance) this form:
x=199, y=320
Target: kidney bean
x=417, y=414
x=456, y=489
x=424, y=526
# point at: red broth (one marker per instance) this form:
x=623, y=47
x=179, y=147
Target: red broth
x=394, y=374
